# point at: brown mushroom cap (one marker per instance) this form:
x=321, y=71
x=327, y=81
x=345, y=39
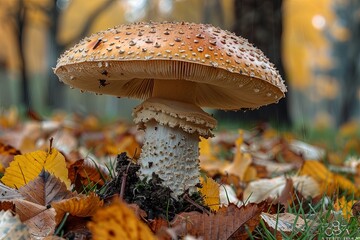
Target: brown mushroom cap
x=229, y=72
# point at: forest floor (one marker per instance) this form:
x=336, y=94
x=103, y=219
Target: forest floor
x=75, y=177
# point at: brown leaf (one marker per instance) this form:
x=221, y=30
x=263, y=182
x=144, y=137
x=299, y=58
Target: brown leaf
x=42, y=224
x=227, y=223
x=7, y=153
x=26, y=209
x=45, y=189
x=75, y=228
x=287, y=195
x=8, y=150
x=7, y=193
x=87, y=171
x=356, y=210
x=5, y=205
x=81, y=206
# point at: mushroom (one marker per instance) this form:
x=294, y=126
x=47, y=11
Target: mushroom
x=176, y=68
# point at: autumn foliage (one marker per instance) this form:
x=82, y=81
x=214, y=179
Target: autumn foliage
x=251, y=180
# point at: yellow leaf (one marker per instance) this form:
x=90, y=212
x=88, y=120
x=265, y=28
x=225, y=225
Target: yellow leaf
x=345, y=207
x=328, y=181
x=25, y=168
x=210, y=191
x=80, y=206
x=118, y=221
x=241, y=162
x=321, y=174
x=346, y=184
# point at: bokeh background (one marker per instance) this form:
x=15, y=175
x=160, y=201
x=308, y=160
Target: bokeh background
x=315, y=44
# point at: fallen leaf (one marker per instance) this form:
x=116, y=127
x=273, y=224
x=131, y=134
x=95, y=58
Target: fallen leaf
x=345, y=207
x=228, y=196
x=45, y=189
x=7, y=193
x=117, y=221
x=12, y=228
x=263, y=189
x=80, y=206
x=287, y=222
x=328, y=181
x=239, y=166
x=287, y=196
x=33, y=210
x=356, y=210
x=6, y=149
x=39, y=219
x=308, y=152
x=227, y=223
x=42, y=224
x=210, y=191
x=346, y=185
x=9, y=118
x=27, y=167
x=88, y=171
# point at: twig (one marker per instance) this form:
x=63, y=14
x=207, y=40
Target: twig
x=189, y=200
x=123, y=181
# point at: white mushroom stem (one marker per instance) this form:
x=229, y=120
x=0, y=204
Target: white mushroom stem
x=173, y=155
x=171, y=142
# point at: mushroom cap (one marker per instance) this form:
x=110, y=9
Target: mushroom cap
x=229, y=73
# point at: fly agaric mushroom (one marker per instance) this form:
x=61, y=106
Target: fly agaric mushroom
x=177, y=68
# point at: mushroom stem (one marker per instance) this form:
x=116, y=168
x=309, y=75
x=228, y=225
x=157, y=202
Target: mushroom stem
x=173, y=155
x=171, y=142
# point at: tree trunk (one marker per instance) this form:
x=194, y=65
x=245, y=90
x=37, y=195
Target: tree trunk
x=260, y=21
x=24, y=79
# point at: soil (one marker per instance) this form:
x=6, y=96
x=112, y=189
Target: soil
x=149, y=195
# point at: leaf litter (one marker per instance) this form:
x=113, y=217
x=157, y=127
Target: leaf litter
x=254, y=183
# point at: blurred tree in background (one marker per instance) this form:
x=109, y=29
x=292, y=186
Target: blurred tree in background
x=321, y=57
x=260, y=21
x=314, y=44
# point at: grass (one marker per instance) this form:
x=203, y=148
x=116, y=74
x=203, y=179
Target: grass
x=321, y=221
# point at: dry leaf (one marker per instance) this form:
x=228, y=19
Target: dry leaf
x=117, y=221
x=241, y=160
x=38, y=194
x=211, y=193
x=7, y=153
x=240, y=165
x=228, y=195
x=356, y=210
x=8, y=150
x=345, y=207
x=7, y=205
x=263, y=189
x=208, y=160
x=307, y=151
x=80, y=206
x=227, y=223
x=126, y=143
x=346, y=184
x=39, y=219
x=286, y=222
x=7, y=193
x=27, y=167
x=42, y=224
x=87, y=171
x=328, y=181
x=45, y=189
x=11, y=228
